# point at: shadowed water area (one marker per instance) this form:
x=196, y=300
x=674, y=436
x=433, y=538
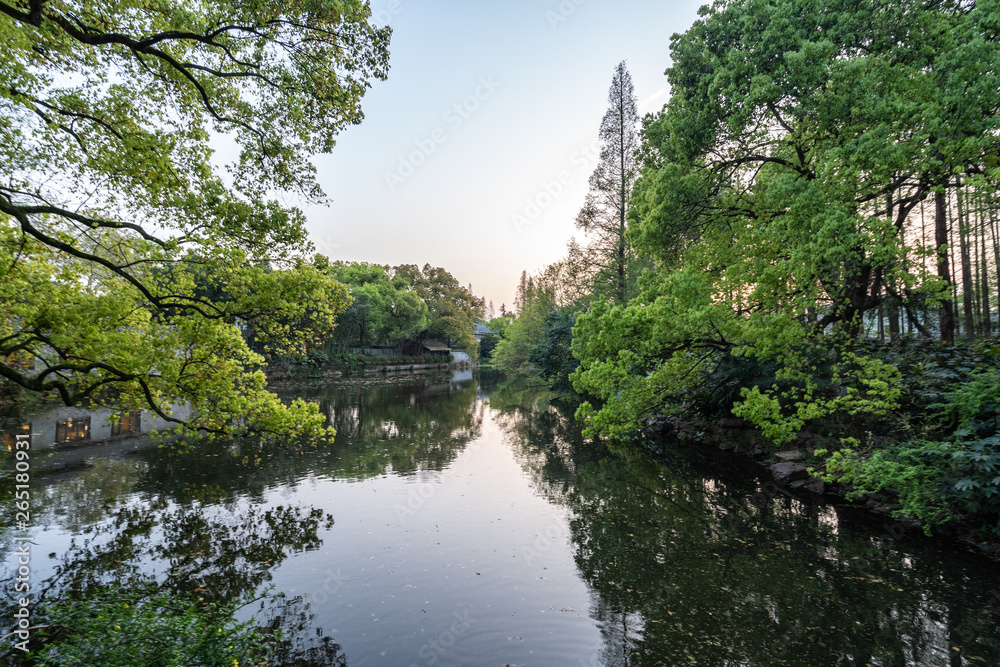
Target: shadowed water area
x=463, y=521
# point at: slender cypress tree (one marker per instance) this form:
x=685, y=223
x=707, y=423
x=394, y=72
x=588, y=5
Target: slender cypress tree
x=603, y=214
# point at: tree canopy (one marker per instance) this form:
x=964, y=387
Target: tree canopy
x=385, y=309
x=453, y=309
x=119, y=222
x=781, y=196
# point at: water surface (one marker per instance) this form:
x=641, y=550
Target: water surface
x=472, y=526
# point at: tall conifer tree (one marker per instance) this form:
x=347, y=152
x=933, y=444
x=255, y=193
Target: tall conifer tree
x=603, y=214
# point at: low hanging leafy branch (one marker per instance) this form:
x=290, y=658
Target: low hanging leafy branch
x=127, y=260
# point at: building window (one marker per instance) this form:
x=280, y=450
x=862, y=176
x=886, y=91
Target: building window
x=72, y=429
x=21, y=362
x=128, y=423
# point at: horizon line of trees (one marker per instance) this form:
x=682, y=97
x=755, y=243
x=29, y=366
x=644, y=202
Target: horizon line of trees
x=402, y=307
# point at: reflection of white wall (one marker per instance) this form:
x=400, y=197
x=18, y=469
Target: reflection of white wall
x=458, y=377
x=43, y=426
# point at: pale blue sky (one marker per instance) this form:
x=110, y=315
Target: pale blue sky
x=488, y=106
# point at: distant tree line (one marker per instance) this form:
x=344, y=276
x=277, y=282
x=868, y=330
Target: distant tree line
x=400, y=307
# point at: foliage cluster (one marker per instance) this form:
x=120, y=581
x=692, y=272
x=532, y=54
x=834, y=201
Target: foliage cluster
x=779, y=211
x=777, y=199
x=127, y=627
x=487, y=345
x=128, y=262
x=943, y=461
x=536, y=341
x=401, y=307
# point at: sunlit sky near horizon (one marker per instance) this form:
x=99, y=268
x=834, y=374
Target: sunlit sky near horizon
x=474, y=155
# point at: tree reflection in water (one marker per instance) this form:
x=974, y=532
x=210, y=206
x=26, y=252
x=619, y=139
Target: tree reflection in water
x=378, y=431
x=214, y=553
x=691, y=561
x=192, y=522
x=685, y=559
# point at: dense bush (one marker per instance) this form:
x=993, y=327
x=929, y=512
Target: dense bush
x=942, y=460
x=145, y=626
x=553, y=356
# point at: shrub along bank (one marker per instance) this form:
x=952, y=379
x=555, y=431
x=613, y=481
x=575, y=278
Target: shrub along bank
x=932, y=459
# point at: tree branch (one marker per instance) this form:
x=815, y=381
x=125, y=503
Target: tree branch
x=159, y=302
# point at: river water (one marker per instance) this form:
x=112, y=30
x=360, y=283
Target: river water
x=462, y=521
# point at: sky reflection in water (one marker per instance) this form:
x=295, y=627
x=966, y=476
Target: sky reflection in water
x=471, y=525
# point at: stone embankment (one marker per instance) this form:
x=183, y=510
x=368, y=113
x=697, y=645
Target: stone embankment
x=289, y=374
x=789, y=467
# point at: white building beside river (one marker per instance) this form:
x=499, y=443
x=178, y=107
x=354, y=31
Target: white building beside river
x=65, y=426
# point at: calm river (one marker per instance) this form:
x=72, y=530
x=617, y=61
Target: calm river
x=462, y=521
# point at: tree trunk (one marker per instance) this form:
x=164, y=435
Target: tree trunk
x=996, y=251
x=984, y=269
x=973, y=240
x=893, y=305
x=955, y=270
x=968, y=287
x=946, y=313
x=894, y=329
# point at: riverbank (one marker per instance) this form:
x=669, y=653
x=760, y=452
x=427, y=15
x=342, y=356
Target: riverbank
x=297, y=373
x=797, y=469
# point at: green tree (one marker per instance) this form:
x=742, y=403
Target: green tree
x=537, y=340
x=870, y=108
x=108, y=184
x=385, y=310
x=499, y=325
x=603, y=215
x=487, y=344
x=513, y=353
x=776, y=196
x=454, y=310
x=553, y=355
